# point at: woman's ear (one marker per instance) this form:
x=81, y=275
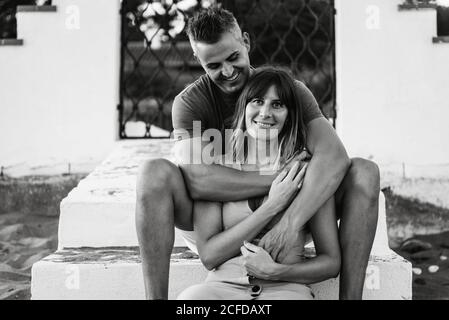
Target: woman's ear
x=246, y=40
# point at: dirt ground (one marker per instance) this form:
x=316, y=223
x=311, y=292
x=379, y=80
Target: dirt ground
x=428, y=253
x=26, y=238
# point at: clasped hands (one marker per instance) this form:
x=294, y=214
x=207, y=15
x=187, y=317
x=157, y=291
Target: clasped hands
x=258, y=262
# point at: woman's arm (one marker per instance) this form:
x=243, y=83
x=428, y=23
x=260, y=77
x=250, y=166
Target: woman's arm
x=325, y=265
x=216, y=245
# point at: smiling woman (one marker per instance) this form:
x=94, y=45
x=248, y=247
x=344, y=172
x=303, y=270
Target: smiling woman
x=270, y=101
x=228, y=234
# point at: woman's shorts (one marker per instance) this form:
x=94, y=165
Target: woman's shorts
x=230, y=282
x=218, y=290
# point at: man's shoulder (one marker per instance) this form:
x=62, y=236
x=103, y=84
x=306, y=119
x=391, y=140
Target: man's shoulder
x=305, y=95
x=195, y=91
x=302, y=88
x=308, y=101
x=192, y=104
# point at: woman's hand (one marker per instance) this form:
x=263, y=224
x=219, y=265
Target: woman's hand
x=285, y=187
x=257, y=261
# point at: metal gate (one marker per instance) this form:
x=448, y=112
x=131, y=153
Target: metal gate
x=157, y=61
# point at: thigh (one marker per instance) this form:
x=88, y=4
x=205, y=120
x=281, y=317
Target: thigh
x=215, y=291
x=286, y=291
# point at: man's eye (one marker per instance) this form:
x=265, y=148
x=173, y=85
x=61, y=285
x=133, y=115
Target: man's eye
x=233, y=58
x=212, y=66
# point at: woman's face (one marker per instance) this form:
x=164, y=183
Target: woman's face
x=265, y=116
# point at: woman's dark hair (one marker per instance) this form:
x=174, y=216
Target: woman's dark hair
x=292, y=137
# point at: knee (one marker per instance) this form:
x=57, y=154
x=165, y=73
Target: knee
x=195, y=292
x=154, y=175
x=364, y=177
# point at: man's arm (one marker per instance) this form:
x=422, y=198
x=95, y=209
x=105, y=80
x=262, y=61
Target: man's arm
x=325, y=172
x=213, y=182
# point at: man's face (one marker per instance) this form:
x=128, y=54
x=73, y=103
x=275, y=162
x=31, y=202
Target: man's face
x=227, y=61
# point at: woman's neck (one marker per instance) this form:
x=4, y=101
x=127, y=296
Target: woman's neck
x=263, y=154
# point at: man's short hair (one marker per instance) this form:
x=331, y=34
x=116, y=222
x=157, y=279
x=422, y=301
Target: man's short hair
x=208, y=25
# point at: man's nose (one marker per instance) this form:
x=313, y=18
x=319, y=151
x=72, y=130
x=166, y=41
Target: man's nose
x=227, y=70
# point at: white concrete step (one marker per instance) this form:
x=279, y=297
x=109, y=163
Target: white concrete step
x=115, y=273
x=100, y=211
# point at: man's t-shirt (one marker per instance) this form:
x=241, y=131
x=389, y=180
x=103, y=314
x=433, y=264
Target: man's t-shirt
x=204, y=101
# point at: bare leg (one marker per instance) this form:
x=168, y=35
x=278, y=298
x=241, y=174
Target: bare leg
x=357, y=206
x=162, y=201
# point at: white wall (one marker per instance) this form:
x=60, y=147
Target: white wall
x=392, y=83
x=59, y=90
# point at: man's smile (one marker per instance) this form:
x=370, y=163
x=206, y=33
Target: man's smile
x=233, y=77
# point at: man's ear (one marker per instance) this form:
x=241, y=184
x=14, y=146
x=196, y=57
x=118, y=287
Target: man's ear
x=246, y=40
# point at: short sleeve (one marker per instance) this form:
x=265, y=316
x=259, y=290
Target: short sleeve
x=309, y=103
x=186, y=122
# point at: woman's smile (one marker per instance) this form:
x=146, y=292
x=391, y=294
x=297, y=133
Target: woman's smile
x=264, y=125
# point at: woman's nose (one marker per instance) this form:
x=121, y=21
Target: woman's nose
x=265, y=110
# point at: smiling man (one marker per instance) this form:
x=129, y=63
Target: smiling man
x=166, y=192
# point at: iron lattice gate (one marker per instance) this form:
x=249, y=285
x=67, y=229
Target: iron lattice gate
x=157, y=61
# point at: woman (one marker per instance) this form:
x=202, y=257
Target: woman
x=268, y=132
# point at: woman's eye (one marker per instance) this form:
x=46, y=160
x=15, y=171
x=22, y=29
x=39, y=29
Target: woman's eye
x=257, y=102
x=277, y=105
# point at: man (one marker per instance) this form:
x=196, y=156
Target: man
x=165, y=191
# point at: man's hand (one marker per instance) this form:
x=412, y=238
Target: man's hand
x=257, y=261
x=285, y=187
x=282, y=239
